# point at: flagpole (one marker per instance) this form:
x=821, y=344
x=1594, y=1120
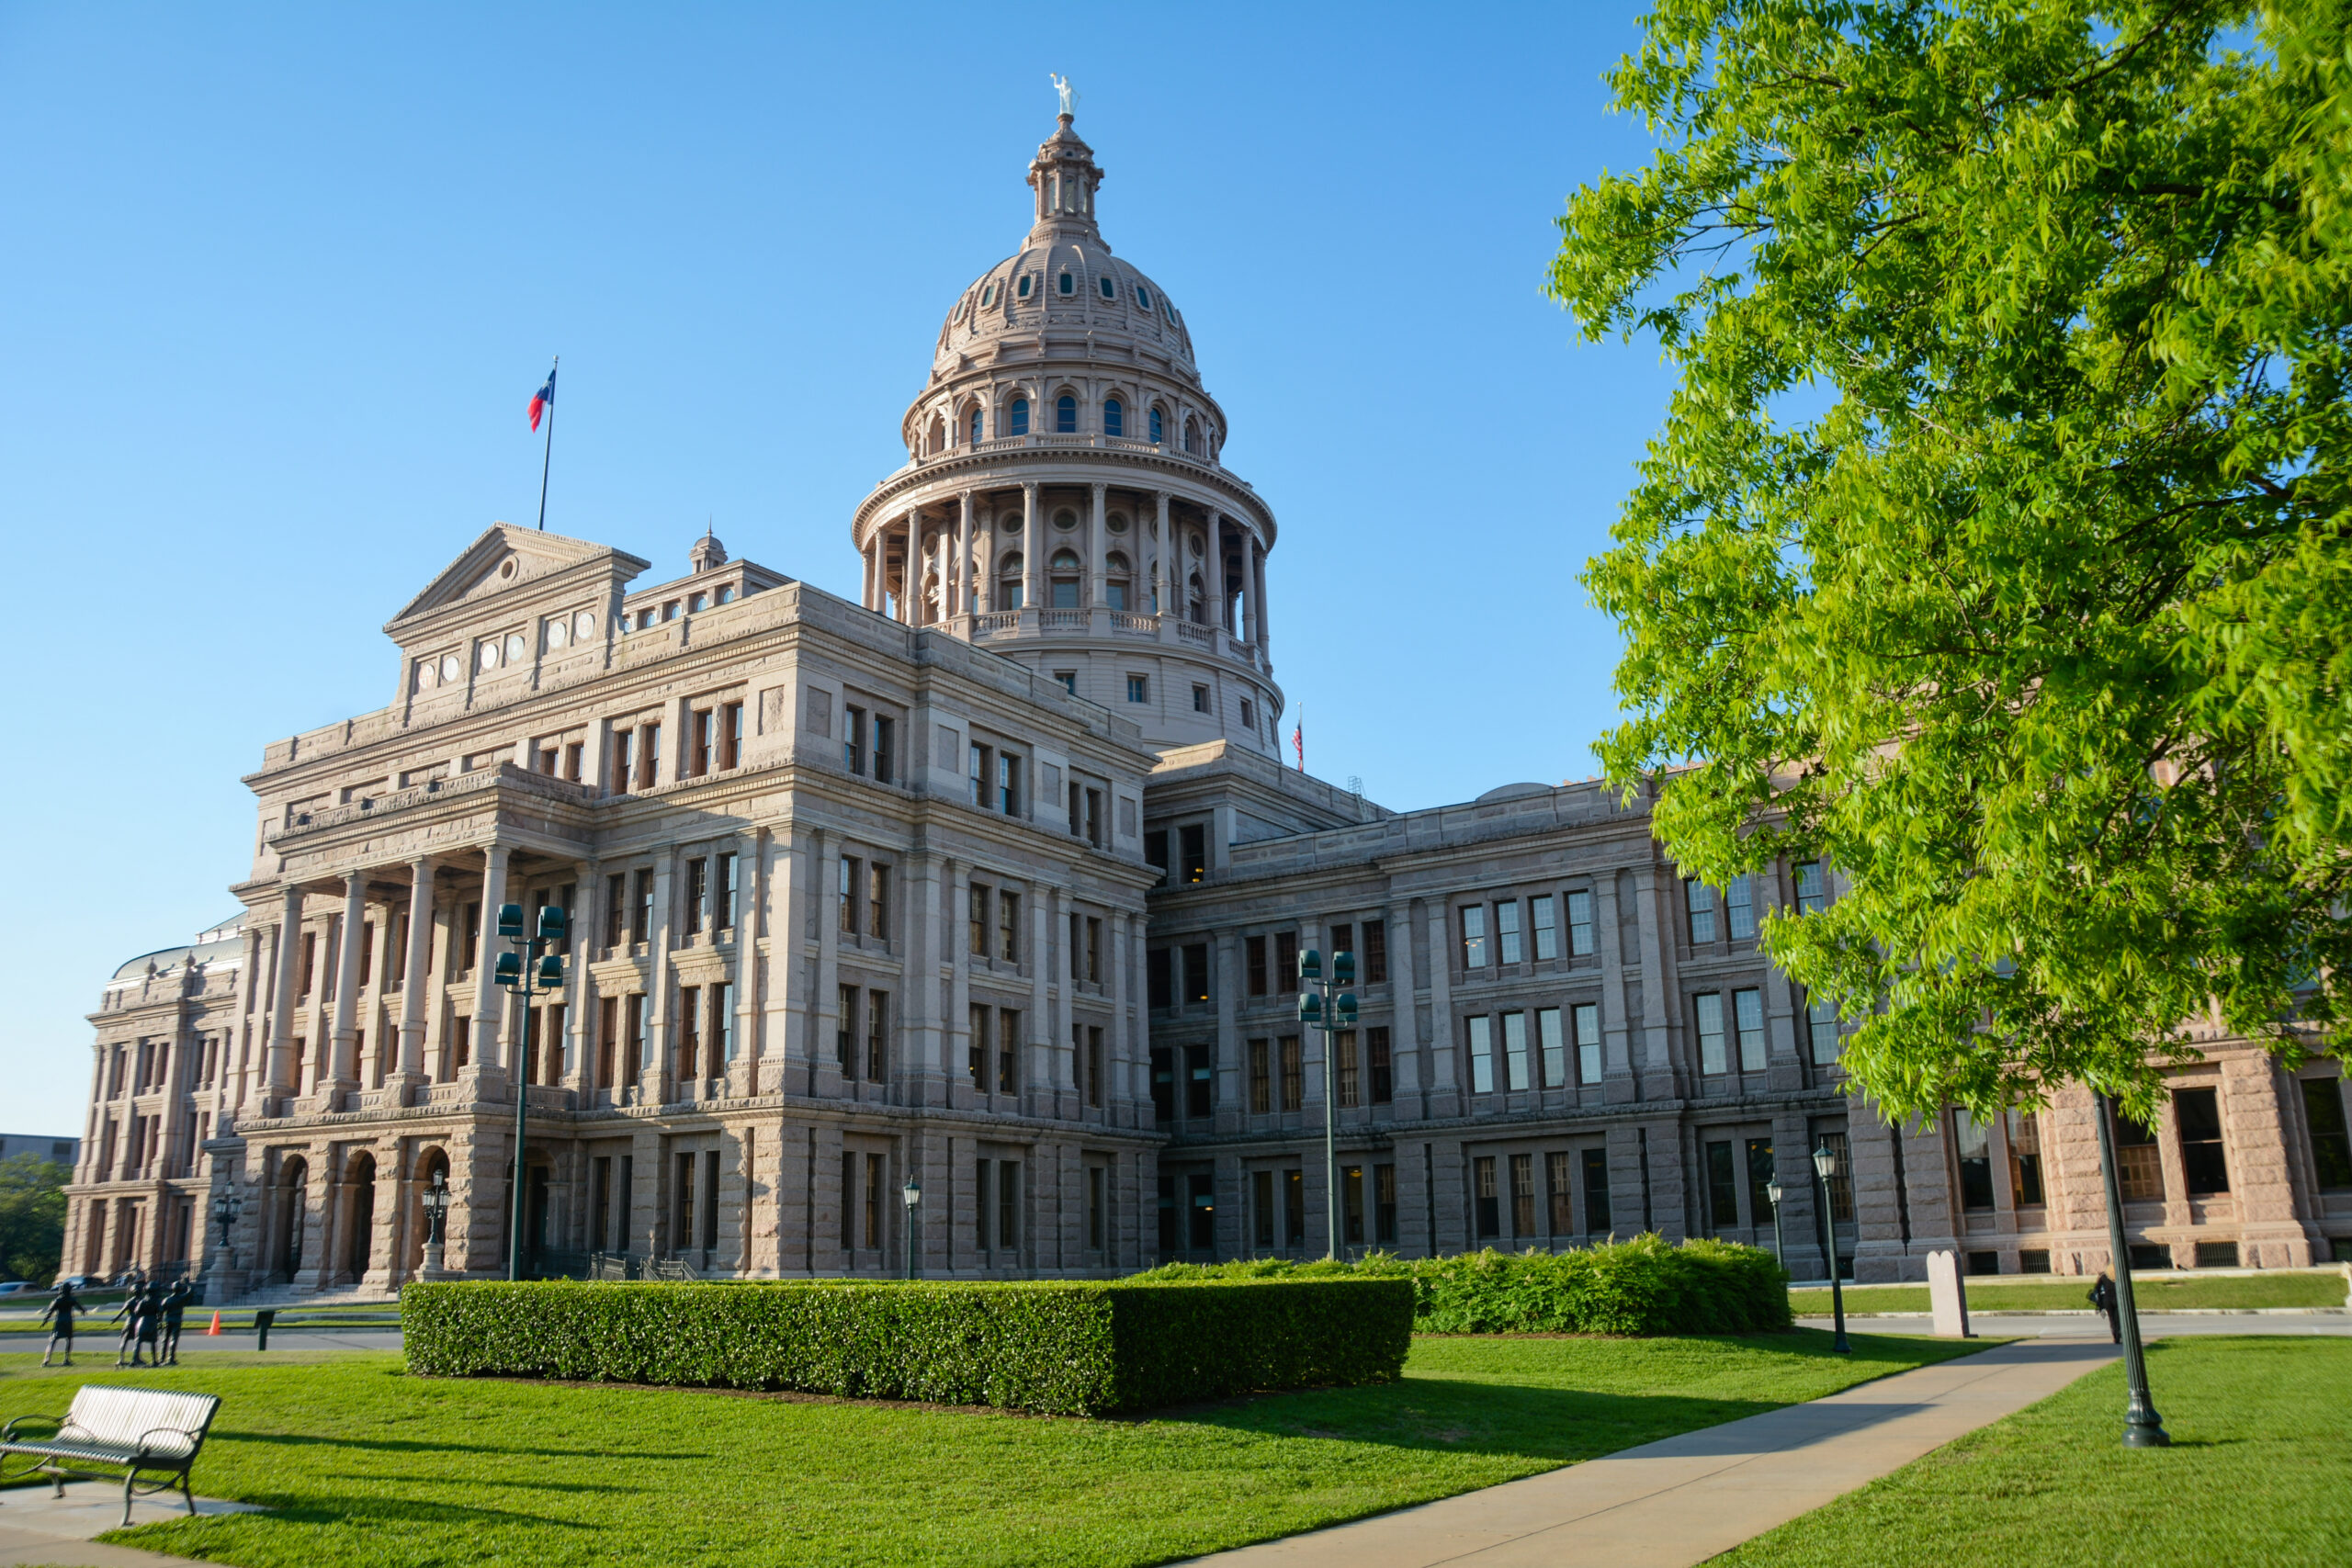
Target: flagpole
x=548, y=457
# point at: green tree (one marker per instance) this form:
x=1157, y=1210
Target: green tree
x=32, y=1217
x=1994, y=549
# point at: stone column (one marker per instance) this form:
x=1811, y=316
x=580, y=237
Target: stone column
x=342, y=1066
x=966, y=597
x=1257, y=577
x=1098, y=544
x=786, y=1036
x=918, y=1004
x=279, y=1069
x=743, y=1062
x=1618, y=1085
x=488, y=1000
x=957, y=1035
x=824, y=1070
x=1445, y=1091
x=580, y=986
x=1161, y=569
x=867, y=574
x=1036, y=1055
x=414, y=960
x=1657, y=1072
x=1213, y=570
x=1409, y=1085
x=1250, y=586
x=1116, y=1057
x=1033, y=552
x=654, y=1071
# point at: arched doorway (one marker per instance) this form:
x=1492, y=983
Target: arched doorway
x=293, y=1180
x=359, y=1214
x=430, y=1162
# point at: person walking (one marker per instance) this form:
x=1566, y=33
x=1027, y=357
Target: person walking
x=138, y=1316
x=59, y=1315
x=2103, y=1298
x=174, y=1308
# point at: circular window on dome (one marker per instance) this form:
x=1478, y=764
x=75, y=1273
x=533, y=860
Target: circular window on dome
x=583, y=626
x=1109, y=290
x=487, y=660
x=1118, y=523
x=518, y=647
x=1194, y=540
x=1010, y=522
x=1065, y=518
x=452, y=667
x=558, y=635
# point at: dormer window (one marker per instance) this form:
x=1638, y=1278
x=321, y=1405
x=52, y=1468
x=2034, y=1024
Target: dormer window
x=1143, y=297
x=1068, y=284
x=988, y=297
x=1024, y=289
x=1109, y=290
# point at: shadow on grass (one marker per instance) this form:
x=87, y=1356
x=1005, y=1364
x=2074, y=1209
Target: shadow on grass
x=394, y=1445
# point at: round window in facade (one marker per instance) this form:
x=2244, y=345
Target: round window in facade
x=583, y=626
x=1118, y=523
x=1010, y=522
x=506, y=568
x=424, y=675
x=452, y=668
x=518, y=647
x=558, y=635
x=488, y=659
x=1065, y=518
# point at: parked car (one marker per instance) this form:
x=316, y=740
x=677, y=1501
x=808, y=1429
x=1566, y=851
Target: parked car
x=13, y=1286
x=81, y=1281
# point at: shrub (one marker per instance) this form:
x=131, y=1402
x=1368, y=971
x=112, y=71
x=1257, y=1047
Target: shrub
x=1060, y=1347
x=1640, y=1287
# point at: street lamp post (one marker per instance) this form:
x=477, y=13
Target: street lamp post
x=1772, y=1192
x=1825, y=1165
x=437, y=1218
x=1323, y=1005
x=226, y=1207
x=911, y=1195
x=531, y=970
x=2143, y=1428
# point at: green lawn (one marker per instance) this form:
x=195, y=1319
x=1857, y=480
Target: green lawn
x=2256, y=1474
x=365, y=1465
x=2153, y=1292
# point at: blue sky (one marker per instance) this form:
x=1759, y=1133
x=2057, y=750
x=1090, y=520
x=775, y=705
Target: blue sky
x=280, y=280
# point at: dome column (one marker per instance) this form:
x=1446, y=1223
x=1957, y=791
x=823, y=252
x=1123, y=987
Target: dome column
x=1257, y=577
x=1160, y=601
x=966, y=601
x=1098, y=573
x=1032, y=559
x=1248, y=543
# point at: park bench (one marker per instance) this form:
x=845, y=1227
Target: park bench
x=132, y=1429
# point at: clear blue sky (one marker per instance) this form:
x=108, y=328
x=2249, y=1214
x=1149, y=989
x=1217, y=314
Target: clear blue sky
x=278, y=282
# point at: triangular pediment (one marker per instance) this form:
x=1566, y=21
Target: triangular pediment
x=506, y=559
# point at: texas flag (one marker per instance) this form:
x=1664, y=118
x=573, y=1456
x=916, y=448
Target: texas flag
x=542, y=399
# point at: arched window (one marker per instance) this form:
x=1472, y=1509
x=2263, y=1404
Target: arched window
x=1115, y=568
x=1109, y=290
x=938, y=436
x=1065, y=415
x=1065, y=587
x=1069, y=282
x=1114, y=418
x=975, y=427
x=1008, y=580
x=1143, y=297
x=1199, y=611
x=1159, y=428
x=1024, y=289
x=1020, y=416
x=1192, y=436
x=1064, y=560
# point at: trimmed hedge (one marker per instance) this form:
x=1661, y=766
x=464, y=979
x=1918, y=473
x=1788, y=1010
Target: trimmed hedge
x=1057, y=1347
x=1644, y=1286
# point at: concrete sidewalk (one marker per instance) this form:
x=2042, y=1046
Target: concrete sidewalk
x=35, y=1527
x=1683, y=1500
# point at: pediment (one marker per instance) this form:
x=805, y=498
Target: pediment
x=505, y=560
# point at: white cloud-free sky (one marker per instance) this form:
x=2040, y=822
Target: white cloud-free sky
x=278, y=282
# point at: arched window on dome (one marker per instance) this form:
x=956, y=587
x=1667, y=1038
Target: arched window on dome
x=1065, y=415
x=1159, y=428
x=1114, y=418
x=1020, y=421
x=1109, y=290
x=1199, y=614
x=1192, y=436
x=1117, y=575
x=1068, y=284
x=938, y=436
x=1008, y=580
x=1066, y=568
x=977, y=427
x=1143, y=297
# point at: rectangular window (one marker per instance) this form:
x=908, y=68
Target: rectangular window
x=1474, y=936
x=877, y=1035
x=1200, y=1085
x=1587, y=1017
x=853, y=738
x=1596, y=1192
x=722, y=904
x=981, y=1209
x=1254, y=949
x=1261, y=1080
x=1384, y=1077
x=1094, y=950
x=1506, y=935
x=979, y=774
x=1343, y=940
x=682, y=1219
x=2139, y=1167
x=1352, y=1204
x=689, y=1031
x=624, y=759
x=1821, y=1029
x=1097, y=1228
x=1007, y=1051
x=852, y=874
x=1515, y=1051
x=1579, y=925
x=1094, y=1065
x=1163, y=1085
x=849, y=1200
x=885, y=750
x=1293, y=1074
x=722, y=1025
x=1841, y=1189
x=1346, y=1074
x=1809, y=888
x=731, y=736
x=1201, y=1205
x=1139, y=689
x=1554, y=1047
x=2025, y=1159
x=2331, y=1140
x=705, y=741
x=1193, y=842
x=1541, y=917
x=1196, y=974
x=1759, y=1180
x=975, y=1050
x=874, y=1202
x=698, y=894
x=1008, y=920
x=979, y=923
x=1707, y=1010
x=846, y=1032
x=1159, y=982
x=615, y=907
x=1489, y=1202
x=1384, y=1204
x=1972, y=1148
x=1294, y=1206
x=1747, y=1015
x=1559, y=1207
x=633, y=1036
x=1723, y=1188
x=1008, y=785
x=1008, y=1204
x=2198, y=1113
x=648, y=755
x=1482, y=1055
x=1199, y=699
x=1375, y=966
x=1700, y=901
x=1522, y=1195
x=1262, y=1205
x=1285, y=962
x=877, y=901
x=1155, y=851
x=1739, y=908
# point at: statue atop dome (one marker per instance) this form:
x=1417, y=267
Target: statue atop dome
x=1069, y=94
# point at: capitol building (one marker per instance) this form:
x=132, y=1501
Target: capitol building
x=993, y=884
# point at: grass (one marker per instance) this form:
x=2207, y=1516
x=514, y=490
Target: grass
x=2152, y=1292
x=2256, y=1475
x=365, y=1465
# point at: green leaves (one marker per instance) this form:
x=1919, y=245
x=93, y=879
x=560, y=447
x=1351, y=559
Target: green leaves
x=1994, y=546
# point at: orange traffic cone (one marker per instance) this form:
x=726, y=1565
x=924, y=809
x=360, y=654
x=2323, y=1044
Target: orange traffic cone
x=216, y=1325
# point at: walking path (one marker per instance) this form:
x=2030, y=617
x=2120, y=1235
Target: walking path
x=1683, y=1500
x=37, y=1527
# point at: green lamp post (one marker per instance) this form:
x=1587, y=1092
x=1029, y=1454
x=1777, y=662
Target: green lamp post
x=533, y=968
x=1322, y=1004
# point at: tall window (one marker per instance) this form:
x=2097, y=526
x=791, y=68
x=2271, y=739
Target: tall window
x=1522, y=1194
x=974, y=438
x=1254, y=951
x=873, y=1201
x=1159, y=427
x=1261, y=1085
x=1541, y=915
x=877, y=901
x=1474, y=936
x=2025, y=1159
x=1739, y=908
x=885, y=767
x=1507, y=934
x=1809, y=891
x=1821, y=1028
x=877, y=1035
x=1722, y=1186
x=1007, y=1051
x=1114, y=413
x=1008, y=914
x=698, y=894
x=1973, y=1147
x=723, y=893
x=1707, y=1011
x=2331, y=1139
x=976, y=1057
x=2140, y=1170
x=1515, y=1051
x=1580, y=925
x=2197, y=1115
x=1066, y=406
x=1373, y=960
x=1489, y=1202
x=1384, y=1077
x=1482, y=1055
x=1192, y=843
x=853, y=738
x=980, y=921
x=1555, y=1047
x=845, y=1031
x=1348, y=1073
x=1293, y=1074
x=1261, y=1207
x=1700, y=899
x=1021, y=405
x=1748, y=1014
x=1597, y=1221
x=1587, y=1017
x=1286, y=962
x=982, y=1210
x=853, y=869
x=1561, y=1215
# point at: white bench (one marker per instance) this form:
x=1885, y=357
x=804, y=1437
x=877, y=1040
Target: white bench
x=132, y=1429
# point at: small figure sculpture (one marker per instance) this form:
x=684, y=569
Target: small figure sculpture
x=1069, y=97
